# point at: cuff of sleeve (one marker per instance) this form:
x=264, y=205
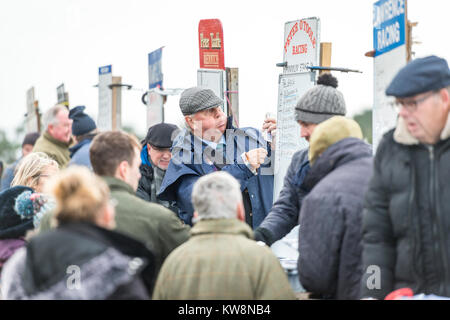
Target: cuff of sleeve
x=244, y=158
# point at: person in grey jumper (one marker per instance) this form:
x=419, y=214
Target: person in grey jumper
x=318, y=104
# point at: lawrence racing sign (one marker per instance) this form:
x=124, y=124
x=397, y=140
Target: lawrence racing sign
x=389, y=22
x=301, y=45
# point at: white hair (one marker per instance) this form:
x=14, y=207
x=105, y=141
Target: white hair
x=50, y=116
x=216, y=196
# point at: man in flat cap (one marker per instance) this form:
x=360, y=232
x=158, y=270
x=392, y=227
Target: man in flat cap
x=210, y=143
x=406, y=220
x=155, y=157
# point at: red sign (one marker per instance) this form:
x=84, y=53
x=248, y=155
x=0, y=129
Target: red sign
x=210, y=43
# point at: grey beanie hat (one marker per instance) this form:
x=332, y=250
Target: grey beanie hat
x=321, y=102
x=196, y=99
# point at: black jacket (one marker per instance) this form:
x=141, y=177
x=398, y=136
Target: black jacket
x=407, y=217
x=80, y=261
x=330, y=220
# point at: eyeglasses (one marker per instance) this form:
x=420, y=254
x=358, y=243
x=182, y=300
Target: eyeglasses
x=412, y=104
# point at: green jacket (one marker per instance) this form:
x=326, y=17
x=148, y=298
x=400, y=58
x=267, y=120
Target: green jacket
x=55, y=149
x=221, y=261
x=152, y=224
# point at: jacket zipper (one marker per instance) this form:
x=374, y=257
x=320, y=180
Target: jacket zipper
x=436, y=234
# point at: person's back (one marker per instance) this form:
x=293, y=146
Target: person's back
x=150, y=223
x=330, y=219
x=221, y=260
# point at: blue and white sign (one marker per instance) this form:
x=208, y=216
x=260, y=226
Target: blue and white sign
x=104, y=120
x=388, y=25
x=155, y=76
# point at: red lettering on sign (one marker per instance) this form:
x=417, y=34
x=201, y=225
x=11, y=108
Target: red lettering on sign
x=299, y=49
x=301, y=25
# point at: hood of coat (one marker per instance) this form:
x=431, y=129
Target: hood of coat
x=8, y=247
x=222, y=226
x=101, y=259
x=336, y=155
x=402, y=135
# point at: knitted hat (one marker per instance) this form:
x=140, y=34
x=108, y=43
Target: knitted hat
x=33, y=205
x=160, y=135
x=196, y=99
x=321, y=102
x=82, y=123
x=30, y=138
x=419, y=76
x=329, y=132
x=12, y=226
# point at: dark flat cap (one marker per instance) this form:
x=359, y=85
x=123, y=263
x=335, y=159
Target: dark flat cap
x=196, y=99
x=160, y=135
x=419, y=76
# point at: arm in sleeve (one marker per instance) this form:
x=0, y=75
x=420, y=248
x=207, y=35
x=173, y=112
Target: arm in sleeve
x=284, y=214
x=379, y=255
x=320, y=239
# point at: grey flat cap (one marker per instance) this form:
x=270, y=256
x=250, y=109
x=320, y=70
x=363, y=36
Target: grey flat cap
x=196, y=99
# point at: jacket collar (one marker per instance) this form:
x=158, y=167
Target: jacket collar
x=115, y=184
x=223, y=226
x=47, y=136
x=402, y=135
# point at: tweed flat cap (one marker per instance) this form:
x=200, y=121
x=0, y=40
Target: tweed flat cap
x=196, y=99
x=419, y=76
x=321, y=102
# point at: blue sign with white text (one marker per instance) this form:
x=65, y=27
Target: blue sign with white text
x=155, y=76
x=104, y=70
x=388, y=25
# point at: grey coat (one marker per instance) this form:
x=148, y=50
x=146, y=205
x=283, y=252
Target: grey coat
x=330, y=220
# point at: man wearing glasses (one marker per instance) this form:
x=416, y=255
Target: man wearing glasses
x=406, y=221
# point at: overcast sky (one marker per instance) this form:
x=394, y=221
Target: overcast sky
x=48, y=42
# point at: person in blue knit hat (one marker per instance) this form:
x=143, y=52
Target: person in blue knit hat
x=84, y=130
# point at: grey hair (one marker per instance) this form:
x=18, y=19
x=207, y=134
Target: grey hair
x=216, y=196
x=49, y=116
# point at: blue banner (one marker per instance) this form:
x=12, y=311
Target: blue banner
x=104, y=70
x=388, y=25
x=155, y=75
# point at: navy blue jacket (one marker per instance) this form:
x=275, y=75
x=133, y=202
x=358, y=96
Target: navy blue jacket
x=190, y=161
x=79, y=154
x=330, y=234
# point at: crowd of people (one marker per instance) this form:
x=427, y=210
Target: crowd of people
x=188, y=213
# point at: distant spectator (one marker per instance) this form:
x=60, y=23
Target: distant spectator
x=330, y=239
x=56, y=139
x=34, y=170
x=221, y=260
x=27, y=147
x=84, y=130
x=82, y=253
x=155, y=157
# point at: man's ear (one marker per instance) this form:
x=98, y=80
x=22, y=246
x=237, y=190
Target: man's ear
x=190, y=122
x=240, y=212
x=122, y=170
